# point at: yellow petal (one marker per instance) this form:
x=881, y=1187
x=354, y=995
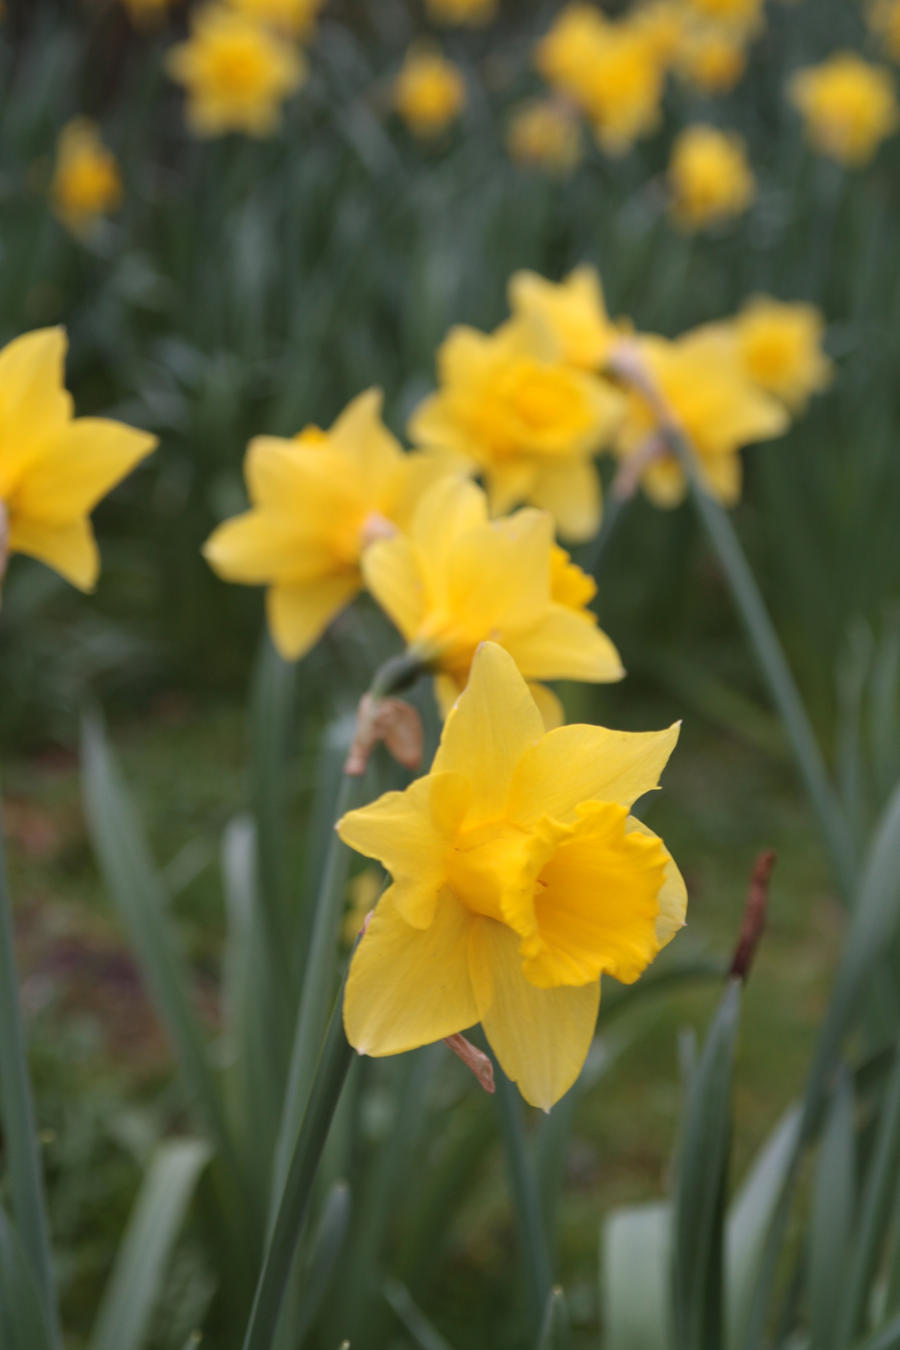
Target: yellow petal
x=580, y=764
x=673, y=897
x=540, y=1036
x=299, y=615
x=570, y=491
x=264, y=546
x=509, y=482
x=410, y=986
x=407, y=832
x=70, y=549
x=447, y=510
x=499, y=574
x=553, y=714
x=565, y=645
x=35, y=403
x=391, y=571
x=79, y=465
x=377, y=454
x=493, y=723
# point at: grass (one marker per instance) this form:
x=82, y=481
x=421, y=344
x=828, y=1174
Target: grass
x=101, y=1065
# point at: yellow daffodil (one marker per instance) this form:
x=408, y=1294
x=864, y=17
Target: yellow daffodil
x=519, y=880
x=317, y=502
x=429, y=91
x=462, y=11
x=780, y=346
x=573, y=311
x=544, y=134
x=709, y=177
x=742, y=14
x=848, y=105
x=662, y=23
x=712, y=59
x=612, y=71
x=55, y=467
x=705, y=387
x=509, y=406
x=86, y=184
x=237, y=73
x=884, y=20
x=458, y=578
x=295, y=17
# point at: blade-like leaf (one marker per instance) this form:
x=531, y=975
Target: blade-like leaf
x=554, y=1333
x=832, y=1215
x=698, y=1219
x=137, y=1279
x=637, y=1246
x=413, y=1319
x=24, y=1324
x=326, y=1248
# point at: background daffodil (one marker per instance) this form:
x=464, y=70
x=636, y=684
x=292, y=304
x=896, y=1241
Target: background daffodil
x=849, y=106
x=458, y=578
x=779, y=345
x=510, y=406
x=86, y=182
x=317, y=501
x=55, y=467
x=519, y=880
x=573, y=310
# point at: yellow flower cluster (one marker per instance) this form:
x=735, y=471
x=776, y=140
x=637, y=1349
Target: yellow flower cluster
x=849, y=107
x=86, y=184
x=884, y=20
x=429, y=91
x=544, y=134
x=709, y=177
x=239, y=64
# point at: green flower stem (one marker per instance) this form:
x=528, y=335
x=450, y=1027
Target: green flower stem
x=785, y=695
x=532, y=1235
x=594, y=555
x=17, y=1114
x=318, y=977
x=301, y=1172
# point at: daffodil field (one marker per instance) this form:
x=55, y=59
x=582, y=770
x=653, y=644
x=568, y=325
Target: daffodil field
x=449, y=675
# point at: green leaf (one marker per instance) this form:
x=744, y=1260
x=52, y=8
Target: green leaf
x=832, y=1216
x=326, y=1248
x=137, y=891
x=637, y=1245
x=886, y=1339
x=554, y=1332
x=413, y=1319
x=138, y=1276
x=24, y=1324
x=750, y=1215
x=699, y=1204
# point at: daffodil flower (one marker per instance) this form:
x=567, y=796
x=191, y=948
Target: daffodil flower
x=573, y=310
x=779, y=346
x=457, y=578
x=318, y=500
x=55, y=467
x=519, y=880
x=849, y=106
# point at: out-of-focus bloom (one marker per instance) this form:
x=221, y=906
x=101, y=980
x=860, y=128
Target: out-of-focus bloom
x=709, y=177
x=662, y=22
x=362, y=897
x=462, y=11
x=612, y=71
x=429, y=91
x=712, y=58
x=519, y=880
x=509, y=406
x=704, y=385
x=145, y=12
x=884, y=19
x=742, y=14
x=86, y=183
x=317, y=501
x=780, y=346
x=295, y=17
x=55, y=467
x=458, y=578
x=848, y=105
x=237, y=73
x=573, y=311
x=544, y=133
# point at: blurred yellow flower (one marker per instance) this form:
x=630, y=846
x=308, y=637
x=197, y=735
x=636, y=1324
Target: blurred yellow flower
x=458, y=578
x=884, y=20
x=848, y=105
x=573, y=311
x=429, y=91
x=612, y=71
x=147, y=11
x=462, y=11
x=662, y=22
x=236, y=71
x=780, y=346
x=86, y=184
x=544, y=133
x=55, y=467
x=705, y=387
x=745, y=14
x=295, y=17
x=317, y=501
x=510, y=407
x=519, y=880
x=712, y=59
x=709, y=177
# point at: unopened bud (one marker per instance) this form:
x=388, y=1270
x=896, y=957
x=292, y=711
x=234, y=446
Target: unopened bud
x=392, y=721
